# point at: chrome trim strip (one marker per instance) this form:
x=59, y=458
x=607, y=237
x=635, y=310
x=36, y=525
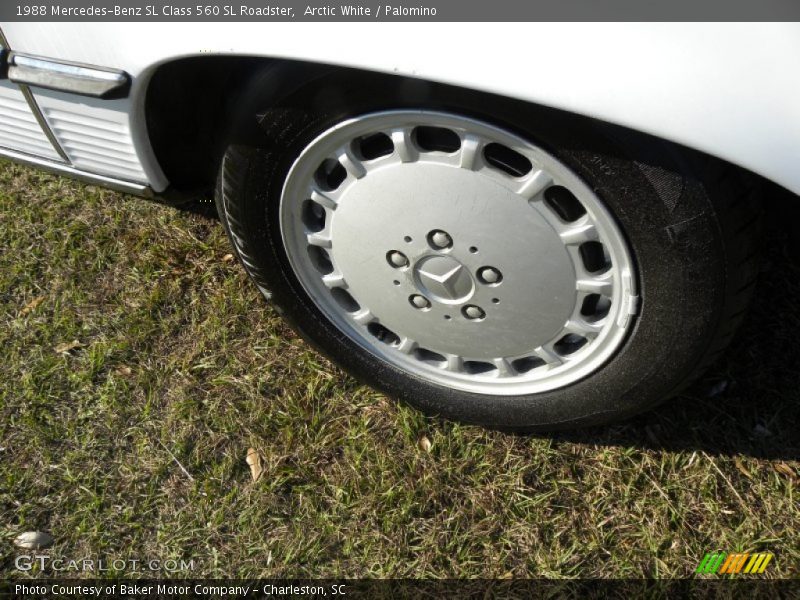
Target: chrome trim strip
x=67, y=77
x=32, y=62
x=37, y=113
x=138, y=189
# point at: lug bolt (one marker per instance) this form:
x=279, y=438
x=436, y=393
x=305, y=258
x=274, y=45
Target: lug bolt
x=420, y=302
x=397, y=259
x=440, y=239
x=473, y=312
x=490, y=275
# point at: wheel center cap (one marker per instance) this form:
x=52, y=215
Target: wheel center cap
x=444, y=278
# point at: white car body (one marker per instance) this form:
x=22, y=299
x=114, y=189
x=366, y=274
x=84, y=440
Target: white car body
x=730, y=90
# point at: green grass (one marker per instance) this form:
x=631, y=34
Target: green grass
x=181, y=361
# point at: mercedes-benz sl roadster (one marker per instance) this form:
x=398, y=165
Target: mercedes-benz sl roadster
x=526, y=226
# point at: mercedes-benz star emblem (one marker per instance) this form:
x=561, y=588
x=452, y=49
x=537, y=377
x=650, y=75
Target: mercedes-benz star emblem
x=444, y=279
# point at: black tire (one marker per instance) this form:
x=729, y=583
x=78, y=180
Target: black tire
x=692, y=223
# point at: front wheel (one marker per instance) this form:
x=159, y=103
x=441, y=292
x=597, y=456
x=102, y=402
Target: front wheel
x=538, y=275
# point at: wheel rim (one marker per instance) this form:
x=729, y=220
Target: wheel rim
x=457, y=252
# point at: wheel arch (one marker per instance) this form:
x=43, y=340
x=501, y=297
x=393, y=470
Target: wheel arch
x=188, y=106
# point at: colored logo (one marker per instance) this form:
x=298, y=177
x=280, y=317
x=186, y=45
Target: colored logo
x=723, y=563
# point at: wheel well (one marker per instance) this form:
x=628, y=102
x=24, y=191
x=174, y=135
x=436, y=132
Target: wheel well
x=192, y=104
x=187, y=108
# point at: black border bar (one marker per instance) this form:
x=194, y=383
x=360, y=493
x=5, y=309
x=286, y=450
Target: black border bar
x=398, y=10
x=400, y=588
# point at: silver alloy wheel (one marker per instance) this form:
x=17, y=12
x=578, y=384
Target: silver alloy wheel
x=458, y=252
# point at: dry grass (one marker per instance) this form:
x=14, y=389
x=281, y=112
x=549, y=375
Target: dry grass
x=182, y=362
